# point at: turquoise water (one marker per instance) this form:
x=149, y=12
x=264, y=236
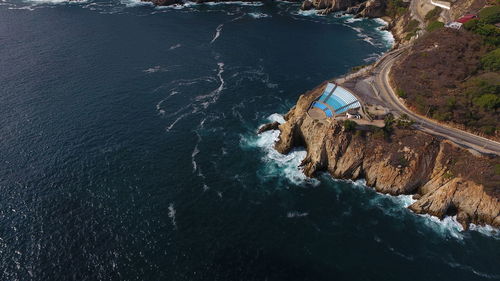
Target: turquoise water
x=128, y=152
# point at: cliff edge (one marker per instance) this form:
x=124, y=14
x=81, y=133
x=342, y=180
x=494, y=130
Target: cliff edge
x=445, y=179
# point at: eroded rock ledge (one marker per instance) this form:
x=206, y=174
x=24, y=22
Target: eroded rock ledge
x=445, y=179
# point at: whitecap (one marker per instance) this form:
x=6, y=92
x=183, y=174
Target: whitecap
x=307, y=13
x=241, y=3
x=259, y=15
x=135, y=3
x=296, y=214
x=217, y=33
x=387, y=36
x=57, y=1
x=153, y=69
x=275, y=117
x=448, y=226
x=351, y=19
x=171, y=214
x=176, y=46
x=486, y=230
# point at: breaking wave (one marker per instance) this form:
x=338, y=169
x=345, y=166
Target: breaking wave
x=275, y=163
x=259, y=15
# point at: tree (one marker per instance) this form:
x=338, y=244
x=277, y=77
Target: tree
x=491, y=61
x=488, y=101
x=490, y=14
x=349, y=125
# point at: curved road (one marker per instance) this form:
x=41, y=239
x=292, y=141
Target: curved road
x=384, y=91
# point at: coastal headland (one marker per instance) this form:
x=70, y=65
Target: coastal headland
x=450, y=172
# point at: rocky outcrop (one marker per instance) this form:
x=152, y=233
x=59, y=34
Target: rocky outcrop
x=373, y=9
x=406, y=162
x=361, y=8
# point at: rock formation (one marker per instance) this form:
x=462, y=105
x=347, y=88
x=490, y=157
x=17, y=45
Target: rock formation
x=446, y=179
x=362, y=8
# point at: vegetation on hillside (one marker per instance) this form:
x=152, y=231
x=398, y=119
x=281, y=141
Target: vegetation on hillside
x=454, y=76
x=396, y=8
x=434, y=25
x=433, y=14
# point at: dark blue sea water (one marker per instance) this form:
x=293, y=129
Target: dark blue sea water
x=127, y=152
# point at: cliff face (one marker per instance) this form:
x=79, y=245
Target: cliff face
x=409, y=162
x=364, y=8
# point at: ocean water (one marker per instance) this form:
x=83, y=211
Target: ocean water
x=128, y=151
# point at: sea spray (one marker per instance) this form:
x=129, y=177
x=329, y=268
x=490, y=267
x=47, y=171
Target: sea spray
x=275, y=163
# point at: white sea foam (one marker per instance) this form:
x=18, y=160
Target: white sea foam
x=217, y=32
x=486, y=230
x=259, y=15
x=296, y=214
x=135, y=3
x=171, y=214
x=241, y=3
x=386, y=35
x=448, y=226
x=275, y=117
x=173, y=47
x=153, y=69
x=351, y=19
x=372, y=57
x=193, y=157
x=169, y=127
x=57, y=1
x=277, y=164
x=213, y=96
x=308, y=13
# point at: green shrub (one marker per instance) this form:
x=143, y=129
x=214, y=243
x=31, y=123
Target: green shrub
x=404, y=122
x=488, y=101
x=411, y=26
x=485, y=27
x=396, y=8
x=471, y=25
x=349, y=125
x=490, y=14
x=497, y=169
x=434, y=26
x=491, y=61
x=433, y=14
x=401, y=93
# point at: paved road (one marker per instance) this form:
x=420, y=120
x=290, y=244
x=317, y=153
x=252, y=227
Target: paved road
x=382, y=88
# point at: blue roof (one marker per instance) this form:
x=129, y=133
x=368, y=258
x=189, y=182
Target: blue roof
x=337, y=99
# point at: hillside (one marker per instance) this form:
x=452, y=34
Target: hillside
x=453, y=76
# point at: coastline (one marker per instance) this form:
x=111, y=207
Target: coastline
x=429, y=181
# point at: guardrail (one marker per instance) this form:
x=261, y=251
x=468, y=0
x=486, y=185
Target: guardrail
x=441, y=4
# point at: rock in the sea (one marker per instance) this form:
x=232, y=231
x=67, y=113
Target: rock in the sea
x=307, y=5
x=268, y=127
x=408, y=162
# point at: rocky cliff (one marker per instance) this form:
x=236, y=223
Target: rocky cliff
x=364, y=8
x=445, y=179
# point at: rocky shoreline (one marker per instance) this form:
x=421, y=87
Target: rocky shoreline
x=444, y=179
